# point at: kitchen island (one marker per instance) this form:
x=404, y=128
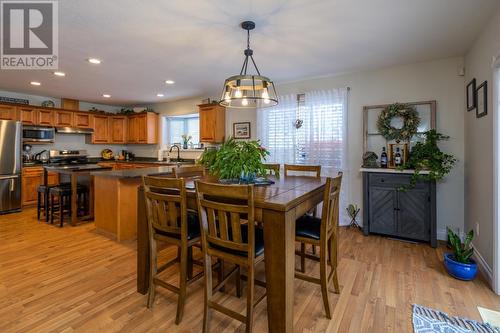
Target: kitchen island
x=115, y=195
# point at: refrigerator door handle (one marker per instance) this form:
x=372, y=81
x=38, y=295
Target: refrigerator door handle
x=9, y=177
x=12, y=187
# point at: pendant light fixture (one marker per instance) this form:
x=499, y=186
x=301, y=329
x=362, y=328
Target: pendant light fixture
x=248, y=91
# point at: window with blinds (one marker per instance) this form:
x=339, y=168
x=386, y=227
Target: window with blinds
x=175, y=127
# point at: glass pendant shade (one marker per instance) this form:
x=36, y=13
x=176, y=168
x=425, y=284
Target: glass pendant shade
x=248, y=91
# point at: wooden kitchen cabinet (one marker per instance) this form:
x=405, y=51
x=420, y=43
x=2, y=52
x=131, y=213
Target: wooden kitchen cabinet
x=118, y=129
x=82, y=119
x=32, y=177
x=27, y=115
x=63, y=118
x=45, y=117
x=143, y=128
x=212, y=123
x=100, y=124
x=8, y=112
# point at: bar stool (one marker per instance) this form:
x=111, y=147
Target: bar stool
x=63, y=195
x=43, y=200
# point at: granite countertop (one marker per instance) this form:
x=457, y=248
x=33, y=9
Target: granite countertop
x=144, y=160
x=387, y=170
x=134, y=173
x=75, y=167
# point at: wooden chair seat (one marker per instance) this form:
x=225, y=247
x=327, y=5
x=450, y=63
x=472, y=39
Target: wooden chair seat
x=308, y=227
x=193, y=228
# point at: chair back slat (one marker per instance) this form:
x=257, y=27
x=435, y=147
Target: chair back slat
x=303, y=170
x=330, y=214
x=189, y=171
x=233, y=205
x=166, y=205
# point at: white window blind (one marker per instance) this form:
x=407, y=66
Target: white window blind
x=320, y=140
x=177, y=126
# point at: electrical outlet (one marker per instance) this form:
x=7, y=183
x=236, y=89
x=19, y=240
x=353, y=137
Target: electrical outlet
x=477, y=228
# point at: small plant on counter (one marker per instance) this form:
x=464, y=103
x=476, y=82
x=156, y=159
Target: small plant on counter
x=236, y=160
x=185, y=140
x=427, y=156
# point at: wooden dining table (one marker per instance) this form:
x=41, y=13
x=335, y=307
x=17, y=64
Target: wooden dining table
x=277, y=206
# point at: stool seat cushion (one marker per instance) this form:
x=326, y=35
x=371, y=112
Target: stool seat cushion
x=193, y=229
x=308, y=227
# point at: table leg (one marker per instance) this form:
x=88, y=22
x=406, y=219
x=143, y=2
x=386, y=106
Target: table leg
x=279, y=245
x=91, y=198
x=46, y=194
x=74, y=198
x=142, y=244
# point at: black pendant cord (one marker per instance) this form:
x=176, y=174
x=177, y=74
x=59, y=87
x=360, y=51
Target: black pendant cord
x=248, y=53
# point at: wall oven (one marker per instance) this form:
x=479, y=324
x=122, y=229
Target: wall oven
x=36, y=134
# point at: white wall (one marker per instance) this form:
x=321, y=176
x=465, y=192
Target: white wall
x=479, y=143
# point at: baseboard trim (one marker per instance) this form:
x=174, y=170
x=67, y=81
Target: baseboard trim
x=483, y=266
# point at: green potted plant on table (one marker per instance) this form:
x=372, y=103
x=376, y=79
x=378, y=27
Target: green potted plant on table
x=236, y=161
x=459, y=264
x=427, y=156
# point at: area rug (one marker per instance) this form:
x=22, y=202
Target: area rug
x=426, y=320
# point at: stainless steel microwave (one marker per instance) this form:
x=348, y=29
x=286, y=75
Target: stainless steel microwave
x=38, y=134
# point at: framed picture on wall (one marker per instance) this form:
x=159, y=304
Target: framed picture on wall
x=471, y=95
x=241, y=130
x=482, y=100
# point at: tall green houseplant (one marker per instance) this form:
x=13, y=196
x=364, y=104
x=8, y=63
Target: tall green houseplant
x=236, y=160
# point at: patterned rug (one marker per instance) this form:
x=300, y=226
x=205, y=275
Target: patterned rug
x=426, y=320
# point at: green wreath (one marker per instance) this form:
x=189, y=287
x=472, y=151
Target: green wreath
x=411, y=120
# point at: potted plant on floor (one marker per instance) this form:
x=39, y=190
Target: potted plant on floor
x=459, y=264
x=236, y=161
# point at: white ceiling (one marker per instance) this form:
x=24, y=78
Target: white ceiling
x=198, y=43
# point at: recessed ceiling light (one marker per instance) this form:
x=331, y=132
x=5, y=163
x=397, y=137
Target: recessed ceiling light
x=106, y=95
x=170, y=82
x=94, y=61
x=35, y=83
x=160, y=95
x=59, y=74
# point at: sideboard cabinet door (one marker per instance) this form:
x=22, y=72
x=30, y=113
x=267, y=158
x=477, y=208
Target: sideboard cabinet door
x=414, y=214
x=382, y=211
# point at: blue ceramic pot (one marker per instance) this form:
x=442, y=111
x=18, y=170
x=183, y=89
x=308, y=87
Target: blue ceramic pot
x=459, y=270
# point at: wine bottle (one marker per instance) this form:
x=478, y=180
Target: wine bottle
x=398, y=161
x=383, y=158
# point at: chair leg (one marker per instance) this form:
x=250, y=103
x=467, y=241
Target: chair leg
x=324, y=279
x=208, y=292
x=313, y=248
x=152, y=272
x=38, y=206
x=46, y=203
x=51, y=209
x=182, y=285
x=302, y=257
x=238, y=281
x=61, y=211
x=333, y=263
x=189, y=262
x=250, y=299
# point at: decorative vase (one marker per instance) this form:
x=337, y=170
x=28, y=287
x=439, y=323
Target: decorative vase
x=460, y=270
x=247, y=178
x=185, y=145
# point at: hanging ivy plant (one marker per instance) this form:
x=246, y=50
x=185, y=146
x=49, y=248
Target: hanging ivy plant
x=410, y=117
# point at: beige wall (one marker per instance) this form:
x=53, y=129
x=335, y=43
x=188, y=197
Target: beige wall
x=435, y=80
x=479, y=143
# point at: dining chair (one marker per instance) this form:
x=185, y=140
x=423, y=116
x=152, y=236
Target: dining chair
x=189, y=171
x=272, y=168
x=323, y=233
x=308, y=171
x=303, y=170
x=228, y=232
x=171, y=223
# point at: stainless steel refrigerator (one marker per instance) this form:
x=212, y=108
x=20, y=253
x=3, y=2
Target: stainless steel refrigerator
x=10, y=166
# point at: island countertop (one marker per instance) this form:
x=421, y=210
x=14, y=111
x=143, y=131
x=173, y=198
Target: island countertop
x=134, y=173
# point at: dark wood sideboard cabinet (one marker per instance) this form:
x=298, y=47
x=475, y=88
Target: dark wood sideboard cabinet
x=390, y=211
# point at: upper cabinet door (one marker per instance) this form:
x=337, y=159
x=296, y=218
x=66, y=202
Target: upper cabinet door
x=64, y=118
x=118, y=129
x=101, y=128
x=142, y=129
x=82, y=119
x=27, y=115
x=212, y=123
x=133, y=135
x=45, y=117
x=8, y=112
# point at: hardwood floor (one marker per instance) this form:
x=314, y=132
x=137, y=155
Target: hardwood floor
x=75, y=280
